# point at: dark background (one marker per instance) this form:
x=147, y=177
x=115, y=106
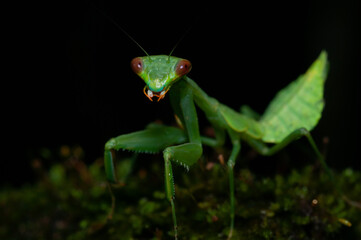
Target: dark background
x=70, y=80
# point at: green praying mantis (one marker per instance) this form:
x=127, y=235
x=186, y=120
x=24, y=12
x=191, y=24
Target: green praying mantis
x=292, y=114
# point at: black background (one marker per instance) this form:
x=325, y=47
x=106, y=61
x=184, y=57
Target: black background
x=70, y=82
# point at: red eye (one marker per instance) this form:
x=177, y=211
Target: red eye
x=183, y=67
x=137, y=65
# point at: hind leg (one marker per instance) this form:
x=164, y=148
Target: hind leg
x=295, y=135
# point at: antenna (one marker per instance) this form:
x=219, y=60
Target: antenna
x=121, y=29
x=180, y=39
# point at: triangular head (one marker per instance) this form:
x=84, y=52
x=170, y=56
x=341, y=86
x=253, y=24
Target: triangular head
x=159, y=73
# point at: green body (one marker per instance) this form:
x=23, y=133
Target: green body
x=292, y=114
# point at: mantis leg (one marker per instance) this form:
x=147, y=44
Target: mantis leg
x=218, y=140
x=184, y=154
x=154, y=139
x=301, y=132
x=230, y=165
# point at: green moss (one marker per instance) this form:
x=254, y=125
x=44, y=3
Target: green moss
x=71, y=200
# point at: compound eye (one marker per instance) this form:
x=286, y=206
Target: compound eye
x=183, y=67
x=137, y=65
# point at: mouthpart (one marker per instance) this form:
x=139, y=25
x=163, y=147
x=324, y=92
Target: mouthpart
x=150, y=94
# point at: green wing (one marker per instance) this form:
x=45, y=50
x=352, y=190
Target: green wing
x=241, y=123
x=151, y=140
x=300, y=104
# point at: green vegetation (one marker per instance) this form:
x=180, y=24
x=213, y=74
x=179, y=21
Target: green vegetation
x=70, y=200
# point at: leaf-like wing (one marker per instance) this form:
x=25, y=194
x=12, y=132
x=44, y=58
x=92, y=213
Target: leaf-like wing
x=151, y=140
x=241, y=123
x=300, y=104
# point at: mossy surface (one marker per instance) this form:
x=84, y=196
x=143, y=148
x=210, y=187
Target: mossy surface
x=71, y=200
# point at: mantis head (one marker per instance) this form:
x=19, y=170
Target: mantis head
x=159, y=73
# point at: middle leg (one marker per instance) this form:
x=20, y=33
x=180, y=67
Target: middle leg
x=235, y=138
